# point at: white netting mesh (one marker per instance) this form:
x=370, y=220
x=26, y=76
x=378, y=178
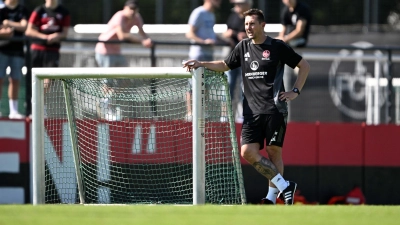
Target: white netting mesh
x=134, y=142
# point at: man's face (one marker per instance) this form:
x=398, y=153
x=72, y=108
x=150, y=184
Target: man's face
x=289, y=2
x=10, y=2
x=242, y=7
x=254, y=28
x=130, y=11
x=51, y=2
x=216, y=3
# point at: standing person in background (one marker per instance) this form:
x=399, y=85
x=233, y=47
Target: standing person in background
x=49, y=24
x=109, y=55
x=296, y=20
x=118, y=28
x=265, y=111
x=201, y=31
x=13, y=22
x=235, y=33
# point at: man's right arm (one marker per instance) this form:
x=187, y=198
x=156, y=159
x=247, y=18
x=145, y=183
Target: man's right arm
x=297, y=32
x=126, y=36
x=219, y=66
x=191, y=34
x=304, y=69
x=19, y=26
x=6, y=32
x=32, y=31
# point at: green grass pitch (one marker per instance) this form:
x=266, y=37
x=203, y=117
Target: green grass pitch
x=206, y=214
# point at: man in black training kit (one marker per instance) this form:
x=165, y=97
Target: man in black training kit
x=296, y=21
x=262, y=59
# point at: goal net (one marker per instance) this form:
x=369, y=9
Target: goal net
x=123, y=136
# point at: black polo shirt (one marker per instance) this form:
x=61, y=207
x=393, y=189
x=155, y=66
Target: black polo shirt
x=300, y=12
x=17, y=14
x=262, y=73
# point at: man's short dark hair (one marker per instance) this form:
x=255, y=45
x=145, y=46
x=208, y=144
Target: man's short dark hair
x=132, y=3
x=255, y=12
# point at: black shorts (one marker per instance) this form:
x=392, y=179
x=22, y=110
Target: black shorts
x=45, y=58
x=269, y=127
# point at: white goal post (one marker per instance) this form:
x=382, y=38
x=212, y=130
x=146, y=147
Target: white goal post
x=199, y=134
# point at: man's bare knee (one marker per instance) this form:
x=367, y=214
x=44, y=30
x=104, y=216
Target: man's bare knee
x=250, y=152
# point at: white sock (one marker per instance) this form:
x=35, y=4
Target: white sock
x=13, y=106
x=272, y=194
x=280, y=182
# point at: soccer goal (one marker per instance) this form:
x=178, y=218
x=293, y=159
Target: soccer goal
x=122, y=136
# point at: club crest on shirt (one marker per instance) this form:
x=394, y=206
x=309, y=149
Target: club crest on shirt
x=254, y=65
x=51, y=25
x=265, y=54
